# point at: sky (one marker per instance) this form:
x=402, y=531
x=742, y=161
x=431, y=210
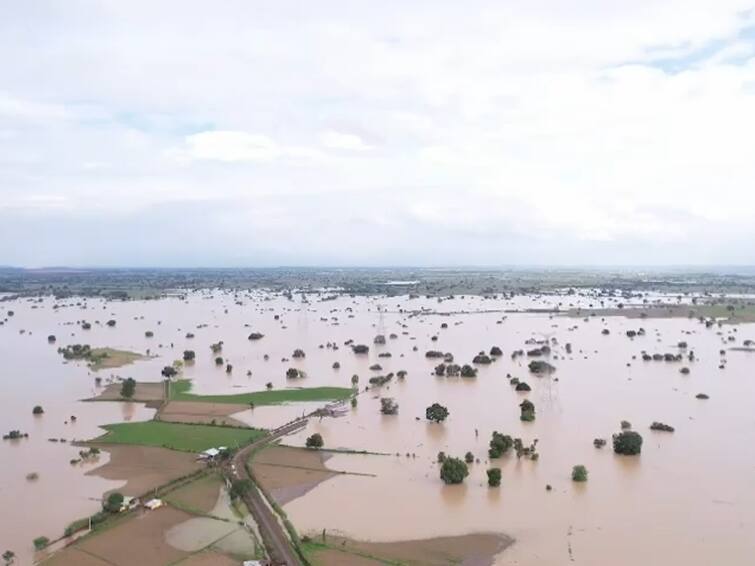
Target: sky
x=250, y=133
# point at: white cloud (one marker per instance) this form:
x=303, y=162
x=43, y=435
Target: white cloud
x=508, y=127
x=231, y=146
x=338, y=140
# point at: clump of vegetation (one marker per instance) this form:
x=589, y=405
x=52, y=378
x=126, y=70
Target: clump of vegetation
x=527, y=411
x=189, y=355
x=702, y=396
x=579, y=473
x=436, y=413
x=219, y=361
x=388, y=406
x=599, y=442
x=625, y=425
x=293, y=373
x=360, y=349
x=380, y=380
x=41, y=543
x=15, y=435
x=468, y=371
x=661, y=427
x=526, y=451
x=37, y=410
x=453, y=471
x=8, y=557
x=314, y=441
x=298, y=353
x=216, y=347
x=481, y=358
x=76, y=352
x=469, y=457
x=441, y=457
x=494, y=477
x=540, y=367
x=169, y=371
x=128, y=387
x=521, y=386
x=51, y=339
x=627, y=442
x=256, y=336
x=495, y=351
x=499, y=444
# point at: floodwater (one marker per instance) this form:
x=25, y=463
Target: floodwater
x=687, y=499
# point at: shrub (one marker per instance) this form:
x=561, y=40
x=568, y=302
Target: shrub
x=189, y=355
x=469, y=457
x=388, y=406
x=661, y=427
x=627, y=442
x=41, y=542
x=453, y=471
x=37, y=410
x=315, y=441
x=441, y=457
x=239, y=488
x=579, y=473
x=494, y=477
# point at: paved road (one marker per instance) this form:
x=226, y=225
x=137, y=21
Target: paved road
x=278, y=545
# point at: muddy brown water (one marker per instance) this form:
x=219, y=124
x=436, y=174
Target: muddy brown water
x=687, y=499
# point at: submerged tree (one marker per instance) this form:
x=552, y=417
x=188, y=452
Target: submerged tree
x=494, y=477
x=436, y=413
x=627, y=442
x=388, y=406
x=453, y=471
x=528, y=410
x=579, y=473
x=314, y=441
x=499, y=444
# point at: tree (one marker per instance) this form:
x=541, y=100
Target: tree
x=468, y=371
x=219, y=361
x=469, y=457
x=627, y=442
x=436, y=413
x=453, y=471
x=41, y=542
x=37, y=410
x=189, y=355
x=128, y=387
x=239, y=488
x=113, y=502
x=499, y=444
x=494, y=477
x=9, y=556
x=169, y=371
x=315, y=441
x=579, y=473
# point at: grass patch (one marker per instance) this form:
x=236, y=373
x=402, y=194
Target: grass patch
x=179, y=391
x=312, y=551
x=100, y=358
x=178, y=436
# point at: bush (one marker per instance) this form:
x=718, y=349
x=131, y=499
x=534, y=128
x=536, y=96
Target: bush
x=453, y=471
x=627, y=442
x=37, y=410
x=436, y=413
x=315, y=441
x=41, y=542
x=661, y=427
x=528, y=411
x=494, y=477
x=469, y=457
x=388, y=406
x=189, y=355
x=579, y=473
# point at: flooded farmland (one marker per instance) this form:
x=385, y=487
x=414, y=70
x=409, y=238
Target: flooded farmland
x=687, y=498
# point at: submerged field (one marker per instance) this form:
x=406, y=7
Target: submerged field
x=685, y=499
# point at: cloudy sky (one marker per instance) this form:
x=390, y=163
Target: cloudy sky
x=244, y=133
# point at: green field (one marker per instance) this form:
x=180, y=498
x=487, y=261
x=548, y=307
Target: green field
x=179, y=391
x=176, y=436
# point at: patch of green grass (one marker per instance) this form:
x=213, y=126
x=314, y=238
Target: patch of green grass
x=179, y=391
x=312, y=549
x=178, y=436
